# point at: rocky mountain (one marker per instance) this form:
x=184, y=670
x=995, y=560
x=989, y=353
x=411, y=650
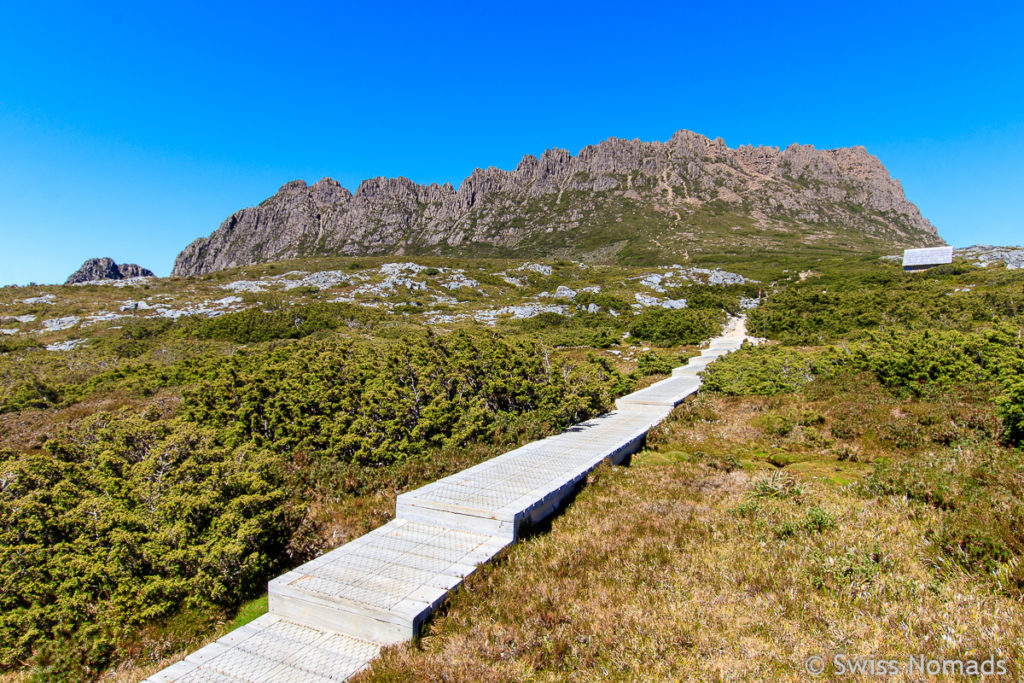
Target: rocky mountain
x=621, y=200
x=105, y=269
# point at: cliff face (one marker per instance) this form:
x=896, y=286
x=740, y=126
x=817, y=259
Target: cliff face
x=623, y=200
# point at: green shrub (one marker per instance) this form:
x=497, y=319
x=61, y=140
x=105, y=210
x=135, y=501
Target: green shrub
x=124, y=520
x=671, y=327
x=33, y=393
x=285, y=322
x=607, y=302
x=844, y=305
x=138, y=335
x=763, y=371
x=775, y=424
x=1011, y=408
x=653, y=363
x=18, y=343
x=778, y=484
x=389, y=401
x=818, y=519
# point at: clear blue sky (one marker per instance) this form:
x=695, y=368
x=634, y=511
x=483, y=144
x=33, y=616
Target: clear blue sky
x=128, y=131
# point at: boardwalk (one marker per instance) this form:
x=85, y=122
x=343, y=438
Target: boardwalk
x=329, y=618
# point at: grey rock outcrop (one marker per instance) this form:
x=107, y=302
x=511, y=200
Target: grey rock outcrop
x=128, y=270
x=987, y=255
x=621, y=199
x=106, y=269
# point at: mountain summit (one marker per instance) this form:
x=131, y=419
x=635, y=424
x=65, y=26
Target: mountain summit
x=622, y=200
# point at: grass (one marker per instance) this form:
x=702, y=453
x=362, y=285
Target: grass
x=249, y=611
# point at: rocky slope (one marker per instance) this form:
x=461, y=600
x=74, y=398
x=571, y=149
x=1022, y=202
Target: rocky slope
x=105, y=269
x=623, y=200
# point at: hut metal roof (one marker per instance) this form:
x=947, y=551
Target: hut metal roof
x=932, y=256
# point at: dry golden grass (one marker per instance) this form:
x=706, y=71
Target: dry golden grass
x=27, y=430
x=673, y=569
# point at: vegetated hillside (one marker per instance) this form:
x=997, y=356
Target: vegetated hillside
x=860, y=497
x=168, y=445
x=623, y=201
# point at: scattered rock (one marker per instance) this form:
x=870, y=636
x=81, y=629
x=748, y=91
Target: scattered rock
x=66, y=345
x=103, y=316
x=398, y=268
x=44, y=299
x=536, y=268
x=564, y=292
x=55, y=324
x=244, y=286
x=646, y=300
x=653, y=281
x=490, y=316
x=675, y=276
x=325, y=279
x=394, y=277
x=138, y=306
x=458, y=280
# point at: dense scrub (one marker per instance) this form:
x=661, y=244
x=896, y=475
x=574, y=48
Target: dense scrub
x=136, y=355
x=390, y=401
x=283, y=322
x=909, y=363
x=841, y=304
x=669, y=327
x=124, y=518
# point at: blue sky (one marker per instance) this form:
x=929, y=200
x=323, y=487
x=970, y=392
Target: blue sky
x=128, y=131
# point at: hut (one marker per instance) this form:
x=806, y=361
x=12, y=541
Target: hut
x=920, y=259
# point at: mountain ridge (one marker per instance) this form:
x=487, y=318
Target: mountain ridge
x=624, y=200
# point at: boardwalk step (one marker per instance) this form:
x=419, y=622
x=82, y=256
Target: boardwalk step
x=382, y=585
x=503, y=495
x=667, y=393
x=273, y=649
